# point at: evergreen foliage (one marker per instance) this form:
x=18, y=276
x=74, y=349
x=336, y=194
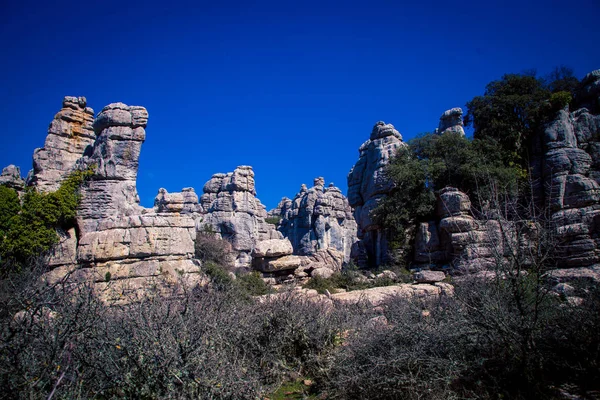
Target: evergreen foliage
x=28, y=226
x=432, y=162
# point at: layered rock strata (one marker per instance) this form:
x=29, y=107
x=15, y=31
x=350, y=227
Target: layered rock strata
x=119, y=246
x=570, y=170
x=367, y=184
x=231, y=209
x=70, y=135
x=316, y=219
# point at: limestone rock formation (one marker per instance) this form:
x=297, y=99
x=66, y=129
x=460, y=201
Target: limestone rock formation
x=451, y=121
x=458, y=240
x=70, y=135
x=185, y=202
x=367, y=184
x=115, y=155
x=117, y=245
x=11, y=177
x=570, y=170
x=282, y=208
x=232, y=209
x=318, y=218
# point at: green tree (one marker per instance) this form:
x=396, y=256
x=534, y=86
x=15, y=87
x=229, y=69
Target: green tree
x=509, y=112
x=432, y=162
x=562, y=79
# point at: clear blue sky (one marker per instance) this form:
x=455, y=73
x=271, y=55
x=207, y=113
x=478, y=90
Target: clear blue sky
x=290, y=87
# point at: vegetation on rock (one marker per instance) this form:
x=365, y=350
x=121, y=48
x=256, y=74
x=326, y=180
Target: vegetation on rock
x=28, y=225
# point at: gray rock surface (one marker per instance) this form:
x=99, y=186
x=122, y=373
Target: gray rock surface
x=451, y=121
x=367, y=184
x=11, y=177
x=70, y=135
x=118, y=246
x=569, y=163
x=318, y=218
x=185, y=202
x=231, y=208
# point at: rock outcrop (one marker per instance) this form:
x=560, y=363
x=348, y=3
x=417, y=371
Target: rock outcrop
x=318, y=218
x=367, y=184
x=232, y=209
x=451, y=121
x=70, y=135
x=11, y=177
x=570, y=170
x=119, y=246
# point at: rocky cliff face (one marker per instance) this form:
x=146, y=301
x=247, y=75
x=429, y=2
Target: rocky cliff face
x=570, y=170
x=318, y=218
x=117, y=244
x=232, y=209
x=367, y=184
x=70, y=135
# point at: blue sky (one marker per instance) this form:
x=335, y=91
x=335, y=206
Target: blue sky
x=291, y=88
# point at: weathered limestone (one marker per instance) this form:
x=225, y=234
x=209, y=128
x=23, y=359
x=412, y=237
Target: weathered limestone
x=451, y=121
x=112, y=191
x=273, y=248
x=367, y=184
x=378, y=295
x=570, y=170
x=232, y=210
x=185, y=202
x=318, y=218
x=120, y=247
x=459, y=240
x=11, y=177
x=70, y=135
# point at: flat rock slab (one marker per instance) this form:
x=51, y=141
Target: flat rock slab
x=376, y=296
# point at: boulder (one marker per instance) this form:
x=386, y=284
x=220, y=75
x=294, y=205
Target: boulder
x=273, y=248
x=429, y=276
x=11, y=177
x=322, y=272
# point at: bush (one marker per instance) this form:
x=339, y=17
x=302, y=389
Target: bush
x=560, y=100
x=203, y=344
x=348, y=279
x=210, y=248
x=253, y=284
x=273, y=220
x=29, y=229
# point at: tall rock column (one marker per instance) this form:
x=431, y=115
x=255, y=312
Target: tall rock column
x=115, y=159
x=367, y=184
x=70, y=135
x=570, y=168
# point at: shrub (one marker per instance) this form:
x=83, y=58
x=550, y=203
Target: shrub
x=253, y=284
x=202, y=344
x=210, y=248
x=219, y=275
x=560, y=100
x=273, y=220
x=29, y=229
